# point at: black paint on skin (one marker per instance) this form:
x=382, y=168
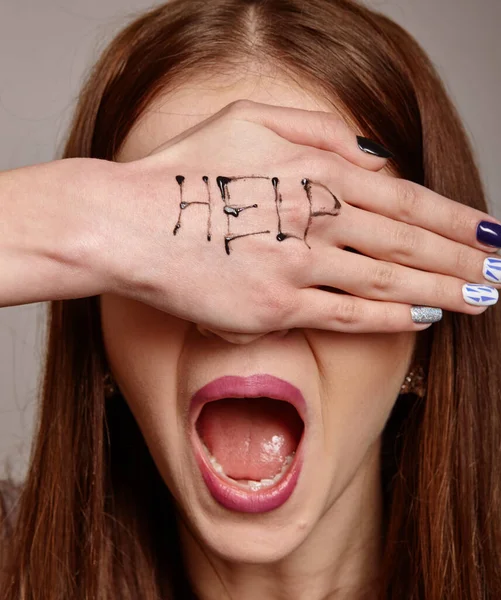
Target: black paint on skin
x=307, y=183
x=180, y=179
x=281, y=236
x=234, y=211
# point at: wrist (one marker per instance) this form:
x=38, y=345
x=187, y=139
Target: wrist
x=89, y=248
x=42, y=247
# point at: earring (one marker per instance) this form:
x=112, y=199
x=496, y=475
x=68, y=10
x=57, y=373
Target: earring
x=110, y=386
x=415, y=382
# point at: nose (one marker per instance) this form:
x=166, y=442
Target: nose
x=237, y=338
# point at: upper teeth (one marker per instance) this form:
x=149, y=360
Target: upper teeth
x=250, y=483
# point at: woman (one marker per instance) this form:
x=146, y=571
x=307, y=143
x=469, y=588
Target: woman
x=373, y=470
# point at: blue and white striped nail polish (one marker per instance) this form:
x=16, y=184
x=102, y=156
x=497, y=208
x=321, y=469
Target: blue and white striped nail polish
x=492, y=269
x=480, y=295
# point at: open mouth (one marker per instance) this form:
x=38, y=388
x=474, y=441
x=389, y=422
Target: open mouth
x=250, y=441
x=248, y=448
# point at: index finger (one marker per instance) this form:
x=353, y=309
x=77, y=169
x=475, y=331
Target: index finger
x=319, y=129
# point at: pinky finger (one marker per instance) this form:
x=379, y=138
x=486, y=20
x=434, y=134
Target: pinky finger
x=319, y=309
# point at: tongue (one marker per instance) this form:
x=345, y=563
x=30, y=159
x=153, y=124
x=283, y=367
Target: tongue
x=250, y=437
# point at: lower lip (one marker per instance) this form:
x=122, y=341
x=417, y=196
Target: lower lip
x=238, y=499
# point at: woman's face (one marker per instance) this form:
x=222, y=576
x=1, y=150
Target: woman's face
x=349, y=382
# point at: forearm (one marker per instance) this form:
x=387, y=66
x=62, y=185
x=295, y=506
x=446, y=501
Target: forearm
x=38, y=237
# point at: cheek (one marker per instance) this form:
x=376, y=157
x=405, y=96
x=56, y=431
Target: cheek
x=361, y=377
x=142, y=347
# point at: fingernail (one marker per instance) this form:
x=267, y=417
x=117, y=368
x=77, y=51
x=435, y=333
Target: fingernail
x=426, y=314
x=489, y=233
x=371, y=147
x=480, y=295
x=492, y=269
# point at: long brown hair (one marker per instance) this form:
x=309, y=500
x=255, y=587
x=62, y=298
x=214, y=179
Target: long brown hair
x=95, y=518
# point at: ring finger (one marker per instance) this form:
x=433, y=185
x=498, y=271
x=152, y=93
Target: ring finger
x=374, y=279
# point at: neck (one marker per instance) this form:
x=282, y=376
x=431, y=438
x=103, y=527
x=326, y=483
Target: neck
x=338, y=560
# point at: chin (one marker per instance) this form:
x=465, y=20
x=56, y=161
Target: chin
x=255, y=538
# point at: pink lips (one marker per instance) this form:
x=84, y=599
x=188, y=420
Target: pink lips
x=231, y=496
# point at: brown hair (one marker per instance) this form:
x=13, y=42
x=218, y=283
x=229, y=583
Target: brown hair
x=92, y=517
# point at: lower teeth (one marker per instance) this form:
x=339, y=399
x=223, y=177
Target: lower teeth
x=250, y=483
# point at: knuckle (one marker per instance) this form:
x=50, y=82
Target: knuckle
x=465, y=260
x=404, y=241
x=441, y=291
x=300, y=260
x=328, y=169
x=239, y=107
x=310, y=163
x=383, y=277
x=297, y=263
x=346, y=311
x=390, y=317
x=296, y=214
x=276, y=305
x=459, y=222
x=329, y=126
x=408, y=201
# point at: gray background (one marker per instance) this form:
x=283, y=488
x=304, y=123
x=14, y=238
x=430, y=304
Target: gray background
x=45, y=48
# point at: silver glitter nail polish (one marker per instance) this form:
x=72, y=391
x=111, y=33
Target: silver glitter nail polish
x=426, y=314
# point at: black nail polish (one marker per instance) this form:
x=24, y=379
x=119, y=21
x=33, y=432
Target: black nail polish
x=489, y=233
x=371, y=147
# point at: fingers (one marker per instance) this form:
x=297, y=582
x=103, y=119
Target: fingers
x=397, y=242
x=318, y=309
x=414, y=204
x=323, y=130
x=383, y=281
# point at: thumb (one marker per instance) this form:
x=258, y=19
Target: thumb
x=323, y=130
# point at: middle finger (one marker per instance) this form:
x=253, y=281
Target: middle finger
x=384, y=238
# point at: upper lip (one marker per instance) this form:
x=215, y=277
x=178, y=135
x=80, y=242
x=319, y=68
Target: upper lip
x=254, y=386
